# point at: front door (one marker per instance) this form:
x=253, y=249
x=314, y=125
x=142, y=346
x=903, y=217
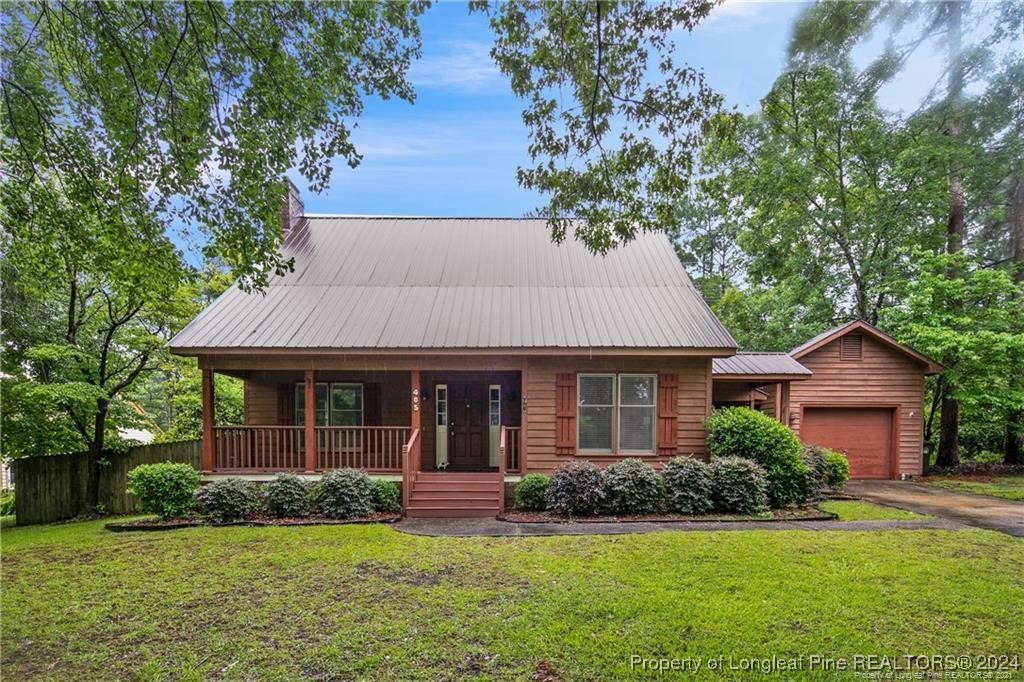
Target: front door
x=468, y=432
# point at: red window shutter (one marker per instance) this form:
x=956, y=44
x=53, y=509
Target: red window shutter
x=565, y=414
x=286, y=404
x=668, y=414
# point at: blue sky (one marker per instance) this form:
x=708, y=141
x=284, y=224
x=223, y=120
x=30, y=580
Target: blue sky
x=455, y=151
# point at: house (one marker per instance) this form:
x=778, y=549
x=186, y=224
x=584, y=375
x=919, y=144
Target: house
x=456, y=354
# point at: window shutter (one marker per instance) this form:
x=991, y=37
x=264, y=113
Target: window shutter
x=286, y=404
x=565, y=414
x=372, y=405
x=668, y=413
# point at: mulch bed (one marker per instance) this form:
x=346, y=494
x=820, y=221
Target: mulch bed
x=259, y=520
x=794, y=514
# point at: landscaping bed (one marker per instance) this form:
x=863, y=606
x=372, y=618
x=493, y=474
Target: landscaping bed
x=789, y=514
x=155, y=524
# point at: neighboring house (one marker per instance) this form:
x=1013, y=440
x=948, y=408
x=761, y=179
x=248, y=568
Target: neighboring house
x=455, y=352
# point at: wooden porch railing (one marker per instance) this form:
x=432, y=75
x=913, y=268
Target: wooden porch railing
x=411, y=462
x=258, y=448
x=373, y=448
x=511, y=438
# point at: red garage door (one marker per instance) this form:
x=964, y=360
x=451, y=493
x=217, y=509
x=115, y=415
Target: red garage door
x=864, y=434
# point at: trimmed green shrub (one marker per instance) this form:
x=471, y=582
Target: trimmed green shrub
x=531, y=492
x=166, y=489
x=688, y=486
x=345, y=494
x=817, y=472
x=838, y=469
x=631, y=486
x=738, y=486
x=743, y=432
x=6, y=503
x=287, y=495
x=386, y=496
x=576, y=489
x=227, y=500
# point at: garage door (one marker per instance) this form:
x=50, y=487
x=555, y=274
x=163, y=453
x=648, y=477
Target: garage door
x=864, y=434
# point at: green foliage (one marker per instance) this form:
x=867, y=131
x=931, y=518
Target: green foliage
x=386, y=496
x=631, y=486
x=227, y=500
x=688, y=486
x=166, y=489
x=576, y=489
x=614, y=121
x=531, y=492
x=181, y=386
x=286, y=495
x=739, y=486
x=6, y=502
x=743, y=432
x=345, y=494
x=838, y=469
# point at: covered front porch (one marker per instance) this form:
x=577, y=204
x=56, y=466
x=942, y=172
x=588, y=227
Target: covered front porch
x=386, y=422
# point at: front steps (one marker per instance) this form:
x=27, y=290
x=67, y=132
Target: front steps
x=442, y=494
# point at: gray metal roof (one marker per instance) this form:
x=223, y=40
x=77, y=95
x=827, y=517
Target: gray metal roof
x=752, y=364
x=448, y=283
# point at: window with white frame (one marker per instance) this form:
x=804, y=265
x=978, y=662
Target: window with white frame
x=595, y=412
x=636, y=412
x=337, y=404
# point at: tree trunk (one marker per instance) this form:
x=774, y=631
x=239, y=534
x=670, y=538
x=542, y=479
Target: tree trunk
x=949, y=437
x=95, y=455
x=1014, y=453
x=949, y=443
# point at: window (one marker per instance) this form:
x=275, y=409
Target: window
x=850, y=347
x=595, y=410
x=494, y=405
x=337, y=404
x=636, y=412
x=441, y=402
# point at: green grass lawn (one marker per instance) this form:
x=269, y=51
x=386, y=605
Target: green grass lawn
x=859, y=510
x=368, y=602
x=1007, y=487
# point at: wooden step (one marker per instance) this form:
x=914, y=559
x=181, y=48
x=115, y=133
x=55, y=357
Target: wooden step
x=453, y=486
x=455, y=495
x=457, y=476
x=449, y=512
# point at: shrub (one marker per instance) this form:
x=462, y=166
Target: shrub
x=838, y=469
x=747, y=433
x=345, y=494
x=386, y=496
x=576, y=489
x=632, y=487
x=6, y=503
x=738, y=486
x=287, y=495
x=531, y=492
x=687, y=486
x=165, y=489
x=227, y=500
x=817, y=472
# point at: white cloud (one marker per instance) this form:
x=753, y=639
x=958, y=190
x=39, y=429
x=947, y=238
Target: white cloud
x=464, y=65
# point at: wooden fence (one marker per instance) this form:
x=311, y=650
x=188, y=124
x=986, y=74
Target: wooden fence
x=54, y=487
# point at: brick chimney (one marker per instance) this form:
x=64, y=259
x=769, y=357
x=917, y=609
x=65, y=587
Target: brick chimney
x=293, y=208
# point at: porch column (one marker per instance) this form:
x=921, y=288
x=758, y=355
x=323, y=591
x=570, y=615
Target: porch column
x=208, y=421
x=310, y=422
x=417, y=399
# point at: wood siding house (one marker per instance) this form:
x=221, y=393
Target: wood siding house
x=456, y=354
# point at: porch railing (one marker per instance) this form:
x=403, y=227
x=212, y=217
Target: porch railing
x=258, y=448
x=411, y=463
x=373, y=448
x=511, y=436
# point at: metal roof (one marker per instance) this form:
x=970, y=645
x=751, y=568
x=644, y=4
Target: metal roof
x=448, y=283
x=753, y=364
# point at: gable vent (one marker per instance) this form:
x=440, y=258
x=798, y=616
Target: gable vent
x=850, y=347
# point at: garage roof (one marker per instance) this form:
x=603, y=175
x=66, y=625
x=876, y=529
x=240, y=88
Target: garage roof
x=930, y=366
x=374, y=283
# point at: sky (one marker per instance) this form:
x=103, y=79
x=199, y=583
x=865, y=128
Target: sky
x=456, y=150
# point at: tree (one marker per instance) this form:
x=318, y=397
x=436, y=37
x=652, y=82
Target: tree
x=971, y=319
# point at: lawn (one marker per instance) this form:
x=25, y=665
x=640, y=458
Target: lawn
x=368, y=602
x=1007, y=487
x=858, y=510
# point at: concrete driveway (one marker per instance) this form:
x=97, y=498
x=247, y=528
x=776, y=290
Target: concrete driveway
x=981, y=511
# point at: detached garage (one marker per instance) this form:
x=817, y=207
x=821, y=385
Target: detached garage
x=865, y=397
